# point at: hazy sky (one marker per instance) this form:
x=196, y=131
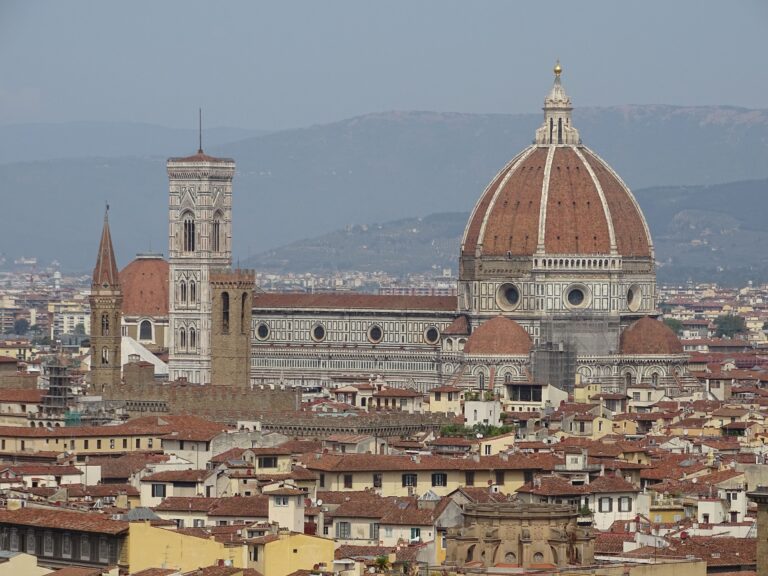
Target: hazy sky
x=292, y=63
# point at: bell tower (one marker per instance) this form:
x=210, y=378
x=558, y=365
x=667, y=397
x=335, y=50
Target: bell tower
x=199, y=241
x=106, y=300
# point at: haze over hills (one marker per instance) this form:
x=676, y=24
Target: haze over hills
x=35, y=142
x=703, y=233
x=302, y=183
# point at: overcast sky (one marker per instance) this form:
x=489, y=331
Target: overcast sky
x=289, y=63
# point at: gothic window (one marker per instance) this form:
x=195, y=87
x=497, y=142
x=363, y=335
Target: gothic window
x=105, y=355
x=481, y=381
x=192, y=338
x=145, y=330
x=508, y=378
x=183, y=338
x=183, y=292
x=628, y=379
x=655, y=378
x=188, y=240
x=192, y=292
x=105, y=324
x=243, y=304
x=216, y=233
x=225, y=312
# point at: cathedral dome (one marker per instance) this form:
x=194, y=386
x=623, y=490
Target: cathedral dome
x=499, y=336
x=648, y=336
x=145, y=286
x=557, y=197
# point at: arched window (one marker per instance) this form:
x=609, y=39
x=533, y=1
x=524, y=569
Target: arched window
x=655, y=378
x=183, y=292
x=559, y=130
x=216, y=233
x=183, y=338
x=192, y=338
x=105, y=324
x=508, y=378
x=145, y=330
x=188, y=240
x=243, y=304
x=225, y=312
x=105, y=355
x=192, y=292
x=628, y=379
x=481, y=381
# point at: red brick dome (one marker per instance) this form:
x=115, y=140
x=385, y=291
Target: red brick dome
x=557, y=197
x=145, y=286
x=648, y=336
x=499, y=336
x=557, y=200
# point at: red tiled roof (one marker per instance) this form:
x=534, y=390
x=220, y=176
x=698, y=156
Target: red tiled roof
x=499, y=336
x=335, y=301
x=21, y=395
x=648, y=336
x=76, y=521
x=145, y=287
x=178, y=476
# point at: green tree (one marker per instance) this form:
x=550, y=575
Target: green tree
x=382, y=563
x=21, y=326
x=675, y=325
x=728, y=325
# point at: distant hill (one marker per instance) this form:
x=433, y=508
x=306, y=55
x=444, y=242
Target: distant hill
x=302, y=183
x=700, y=233
x=35, y=142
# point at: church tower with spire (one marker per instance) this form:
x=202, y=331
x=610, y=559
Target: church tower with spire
x=199, y=242
x=106, y=300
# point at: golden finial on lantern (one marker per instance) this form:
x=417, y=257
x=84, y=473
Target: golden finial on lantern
x=558, y=68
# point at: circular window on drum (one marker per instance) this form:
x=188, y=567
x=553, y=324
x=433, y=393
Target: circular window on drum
x=432, y=335
x=262, y=331
x=508, y=297
x=634, y=298
x=318, y=333
x=577, y=296
x=375, y=334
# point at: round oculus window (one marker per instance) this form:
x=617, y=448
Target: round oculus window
x=375, y=334
x=630, y=296
x=508, y=297
x=512, y=295
x=634, y=298
x=432, y=335
x=318, y=333
x=576, y=297
x=262, y=331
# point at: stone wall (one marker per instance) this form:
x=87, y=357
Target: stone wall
x=204, y=400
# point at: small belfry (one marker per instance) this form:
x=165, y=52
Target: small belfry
x=557, y=127
x=106, y=301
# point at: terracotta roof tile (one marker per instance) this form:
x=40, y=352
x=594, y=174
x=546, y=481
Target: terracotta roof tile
x=79, y=521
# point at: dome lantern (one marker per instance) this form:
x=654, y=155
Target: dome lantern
x=557, y=128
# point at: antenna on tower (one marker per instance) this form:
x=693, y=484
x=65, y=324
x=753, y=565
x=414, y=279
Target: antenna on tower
x=200, y=130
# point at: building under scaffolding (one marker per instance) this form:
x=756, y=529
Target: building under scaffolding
x=554, y=359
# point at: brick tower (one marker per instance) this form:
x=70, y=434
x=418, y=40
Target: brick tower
x=106, y=300
x=231, y=306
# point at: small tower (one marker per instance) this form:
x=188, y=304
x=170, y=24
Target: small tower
x=106, y=300
x=760, y=497
x=231, y=308
x=200, y=235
